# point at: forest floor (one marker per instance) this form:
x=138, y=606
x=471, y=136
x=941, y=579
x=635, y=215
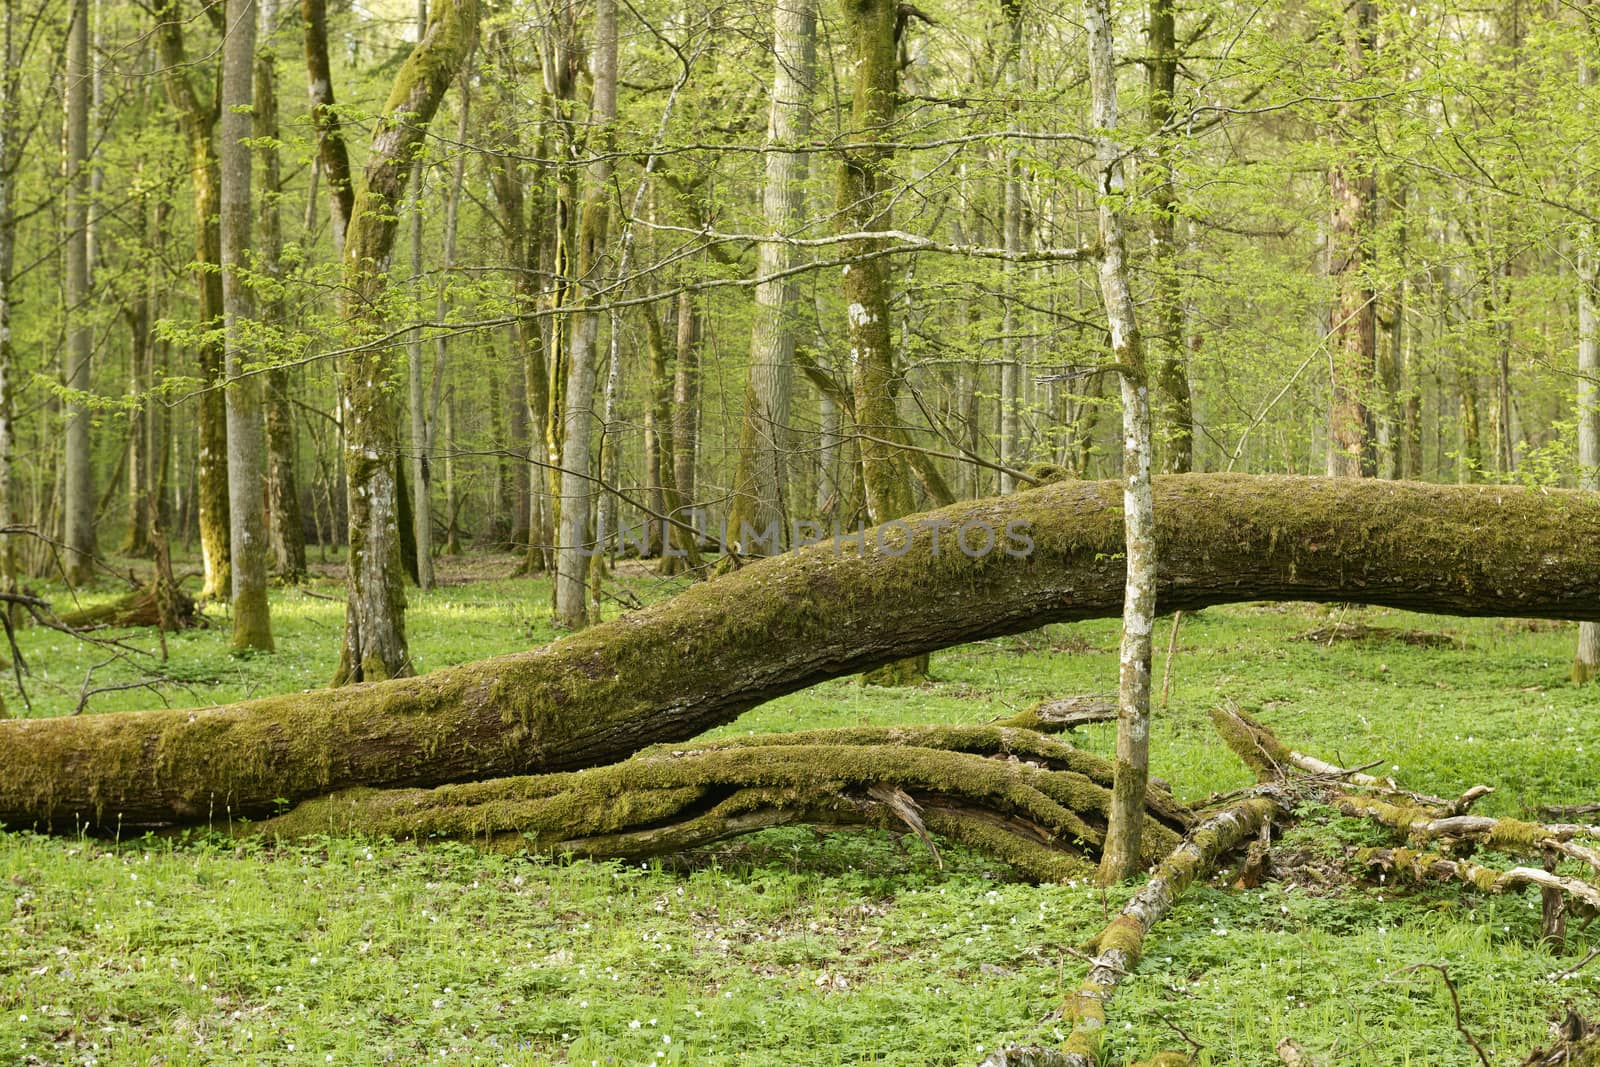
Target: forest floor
x=798, y=947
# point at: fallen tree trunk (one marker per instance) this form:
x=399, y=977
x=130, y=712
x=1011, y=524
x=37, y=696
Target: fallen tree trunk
x=1042, y=808
x=680, y=667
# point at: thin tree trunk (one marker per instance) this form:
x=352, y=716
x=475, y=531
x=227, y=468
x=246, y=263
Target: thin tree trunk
x=252, y=626
x=759, y=480
x=1120, y=859
x=78, y=471
x=333, y=160
x=1172, y=374
x=374, y=634
x=421, y=513
x=286, y=530
x=573, y=546
x=9, y=155
x=198, y=121
x=863, y=207
x=686, y=401
x=1586, y=663
x=1011, y=215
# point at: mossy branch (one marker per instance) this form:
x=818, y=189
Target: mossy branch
x=1121, y=942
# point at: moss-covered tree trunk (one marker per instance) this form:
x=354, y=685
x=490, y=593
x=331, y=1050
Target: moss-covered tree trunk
x=374, y=632
x=1352, y=341
x=675, y=669
x=864, y=207
x=197, y=119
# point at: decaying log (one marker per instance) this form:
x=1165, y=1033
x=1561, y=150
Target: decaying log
x=1421, y=867
x=1121, y=943
x=139, y=607
x=675, y=669
x=1577, y=1045
x=1049, y=823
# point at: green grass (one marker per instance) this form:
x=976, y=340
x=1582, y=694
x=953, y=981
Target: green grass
x=799, y=947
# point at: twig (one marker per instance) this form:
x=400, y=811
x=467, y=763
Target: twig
x=1455, y=1003
x=1172, y=650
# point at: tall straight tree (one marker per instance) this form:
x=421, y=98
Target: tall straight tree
x=1172, y=376
x=572, y=541
x=286, y=531
x=758, y=483
x=1120, y=856
x=1353, y=337
x=1586, y=663
x=374, y=628
x=333, y=159
x=197, y=119
x=864, y=207
x=1011, y=226
x=422, y=515
x=79, y=477
x=252, y=625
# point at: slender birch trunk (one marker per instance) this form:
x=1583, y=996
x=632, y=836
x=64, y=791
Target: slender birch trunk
x=1120, y=859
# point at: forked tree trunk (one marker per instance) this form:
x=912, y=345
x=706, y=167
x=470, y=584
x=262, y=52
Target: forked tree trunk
x=673, y=670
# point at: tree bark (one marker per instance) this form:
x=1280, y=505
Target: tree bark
x=247, y=543
x=1352, y=341
x=374, y=632
x=78, y=476
x=9, y=154
x=1120, y=859
x=333, y=159
x=1586, y=663
x=1172, y=373
x=863, y=207
x=680, y=667
x=573, y=544
x=1011, y=360
x=198, y=121
x=760, y=478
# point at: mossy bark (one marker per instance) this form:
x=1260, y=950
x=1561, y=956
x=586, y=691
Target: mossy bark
x=1047, y=822
x=197, y=119
x=677, y=668
x=1120, y=944
x=374, y=645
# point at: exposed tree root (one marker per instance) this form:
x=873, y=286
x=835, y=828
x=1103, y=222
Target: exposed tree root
x=1577, y=1045
x=1043, y=819
x=1121, y=943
